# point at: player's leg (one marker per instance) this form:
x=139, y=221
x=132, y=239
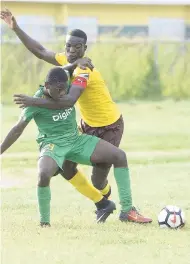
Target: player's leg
x=46, y=168
x=99, y=179
x=112, y=134
x=109, y=154
x=80, y=182
x=82, y=185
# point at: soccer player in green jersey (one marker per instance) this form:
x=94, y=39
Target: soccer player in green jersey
x=60, y=141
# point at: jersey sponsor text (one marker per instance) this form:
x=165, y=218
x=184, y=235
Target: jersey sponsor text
x=63, y=115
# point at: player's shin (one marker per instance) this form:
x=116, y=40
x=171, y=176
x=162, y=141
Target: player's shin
x=104, y=207
x=80, y=182
x=124, y=188
x=99, y=180
x=44, y=198
x=128, y=212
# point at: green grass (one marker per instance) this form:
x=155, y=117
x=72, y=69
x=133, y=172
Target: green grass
x=157, y=143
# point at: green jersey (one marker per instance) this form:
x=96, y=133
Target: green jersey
x=57, y=127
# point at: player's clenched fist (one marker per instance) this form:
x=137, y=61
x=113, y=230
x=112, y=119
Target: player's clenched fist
x=9, y=19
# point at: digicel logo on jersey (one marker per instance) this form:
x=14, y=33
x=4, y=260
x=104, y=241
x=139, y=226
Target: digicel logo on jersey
x=63, y=115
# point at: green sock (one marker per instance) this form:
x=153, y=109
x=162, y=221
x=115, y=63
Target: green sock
x=124, y=188
x=44, y=197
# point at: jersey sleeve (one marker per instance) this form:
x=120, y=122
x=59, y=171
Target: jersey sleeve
x=61, y=58
x=81, y=77
x=28, y=113
x=39, y=92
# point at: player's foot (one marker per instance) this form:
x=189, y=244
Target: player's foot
x=103, y=214
x=134, y=216
x=43, y=224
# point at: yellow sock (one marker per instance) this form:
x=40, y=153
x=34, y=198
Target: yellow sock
x=106, y=191
x=80, y=182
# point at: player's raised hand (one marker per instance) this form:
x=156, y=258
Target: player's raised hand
x=84, y=63
x=23, y=100
x=9, y=19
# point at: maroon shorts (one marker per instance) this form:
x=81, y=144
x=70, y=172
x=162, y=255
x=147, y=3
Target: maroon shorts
x=112, y=133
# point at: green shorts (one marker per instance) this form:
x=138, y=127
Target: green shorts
x=79, y=152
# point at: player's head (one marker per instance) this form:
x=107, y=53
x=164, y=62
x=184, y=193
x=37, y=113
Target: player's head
x=56, y=83
x=75, y=46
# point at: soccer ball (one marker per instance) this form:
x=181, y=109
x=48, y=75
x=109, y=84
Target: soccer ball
x=171, y=217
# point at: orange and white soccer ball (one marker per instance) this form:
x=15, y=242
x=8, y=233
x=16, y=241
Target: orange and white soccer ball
x=171, y=216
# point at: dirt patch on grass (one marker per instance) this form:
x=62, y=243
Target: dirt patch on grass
x=11, y=183
x=12, y=180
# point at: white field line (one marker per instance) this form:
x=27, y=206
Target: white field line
x=10, y=182
x=130, y=154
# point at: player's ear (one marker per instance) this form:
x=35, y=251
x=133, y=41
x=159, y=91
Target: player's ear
x=85, y=47
x=46, y=85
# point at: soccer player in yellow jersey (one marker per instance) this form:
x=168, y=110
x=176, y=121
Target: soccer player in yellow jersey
x=100, y=115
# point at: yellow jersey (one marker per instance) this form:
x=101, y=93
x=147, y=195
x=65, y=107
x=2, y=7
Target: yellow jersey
x=95, y=104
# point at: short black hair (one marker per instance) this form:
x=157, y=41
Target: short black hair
x=56, y=75
x=78, y=33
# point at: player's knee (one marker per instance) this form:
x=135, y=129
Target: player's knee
x=69, y=170
x=122, y=156
x=44, y=178
x=69, y=174
x=120, y=159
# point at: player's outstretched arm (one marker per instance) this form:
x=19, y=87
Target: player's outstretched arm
x=66, y=101
x=32, y=45
x=69, y=100
x=13, y=135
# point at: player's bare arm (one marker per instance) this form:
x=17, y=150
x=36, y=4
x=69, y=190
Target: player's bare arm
x=64, y=102
x=13, y=135
x=37, y=49
x=32, y=45
x=69, y=100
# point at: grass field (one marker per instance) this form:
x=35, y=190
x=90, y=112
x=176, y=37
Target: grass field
x=138, y=78
x=157, y=142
